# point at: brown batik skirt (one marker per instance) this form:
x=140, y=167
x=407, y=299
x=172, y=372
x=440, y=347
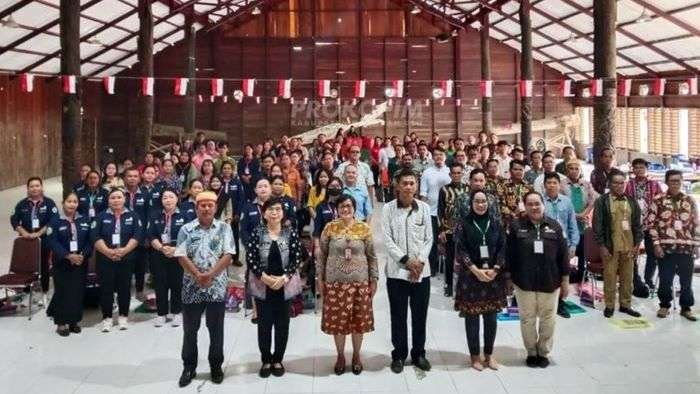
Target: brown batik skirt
x=347, y=309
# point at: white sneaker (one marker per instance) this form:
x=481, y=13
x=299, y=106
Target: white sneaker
x=106, y=324
x=123, y=325
x=43, y=300
x=168, y=318
x=177, y=320
x=160, y=321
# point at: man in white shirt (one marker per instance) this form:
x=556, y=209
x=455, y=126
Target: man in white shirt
x=433, y=179
x=408, y=236
x=365, y=178
x=548, y=164
x=503, y=159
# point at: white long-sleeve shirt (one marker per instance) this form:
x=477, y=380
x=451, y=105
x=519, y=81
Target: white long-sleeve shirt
x=432, y=180
x=407, y=233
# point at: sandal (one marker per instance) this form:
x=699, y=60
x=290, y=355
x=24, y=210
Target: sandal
x=339, y=367
x=357, y=368
x=476, y=363
x=491, y=363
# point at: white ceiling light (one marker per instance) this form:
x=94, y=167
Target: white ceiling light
x=10, y=23
x=94, y=41
x=256, y=11
x=645, y=17
x=415, y=10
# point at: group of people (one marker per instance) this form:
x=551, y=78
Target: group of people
x=500, y=223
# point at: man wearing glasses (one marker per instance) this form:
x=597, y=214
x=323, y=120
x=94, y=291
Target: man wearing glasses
x=365, y=178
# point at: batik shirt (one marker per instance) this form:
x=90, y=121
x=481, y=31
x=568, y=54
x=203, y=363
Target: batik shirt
x=511, y=198
x=673, y=223
x=204, y=246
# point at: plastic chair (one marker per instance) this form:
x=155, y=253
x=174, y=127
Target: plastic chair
x=594, y=262
x=24, y=267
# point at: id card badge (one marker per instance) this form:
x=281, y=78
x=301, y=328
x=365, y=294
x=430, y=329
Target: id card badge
x=678, y=225
x=73, y=246
x=116, y=239
x=35, y=223
x=626, y=225
x=484, y=251
x=348, y=253
x=91, y=212
x=539, y=246
x=165, y=238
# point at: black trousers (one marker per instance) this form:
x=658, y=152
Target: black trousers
x=402, y=294
x=449, y=260
x=650, y=266
x=44, y=273
x=272, y=313
x=434, y=258
x=235, y=229
x=191, y=320
x=114, y=276
x=669, y=266
x=141, y=255
x=577, y=276
x=471, y=324
x=167, y=279
x=66, y=305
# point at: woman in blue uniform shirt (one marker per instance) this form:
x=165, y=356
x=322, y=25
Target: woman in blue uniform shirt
x=230, y=201
x=92, y=199
x=30, y=219
x=115, y=232
x=163, y=228
x=68, y=237
x=188, y=207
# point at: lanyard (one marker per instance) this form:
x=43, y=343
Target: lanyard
x=91, y=198
x=35, y=208
x=73, y=229
x=117, y=223
x=483, y=232
x=168, y=219
x=537, y=228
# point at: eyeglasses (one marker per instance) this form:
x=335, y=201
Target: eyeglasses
x=354, y=151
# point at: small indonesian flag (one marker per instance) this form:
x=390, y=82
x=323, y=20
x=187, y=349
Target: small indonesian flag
x=397, y=84
x=147, y=86
x=458, y=102
x=624, y=87
x=181, y=86
x=324, y=88
x=659, y=86
x=217, y=87
x=284, y=88
x=597, y=87
x=248, y=87
x=693, y=85
x=69, y=84
x=360, y=88
x=486, y=88
x=27, y=82
x=565, y=88
x=447, y=87
x=525, y=88
x=108, y=83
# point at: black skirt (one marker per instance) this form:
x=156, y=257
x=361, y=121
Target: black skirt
x=66, y=305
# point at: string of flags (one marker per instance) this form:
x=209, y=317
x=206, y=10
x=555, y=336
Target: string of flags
x=394, y=89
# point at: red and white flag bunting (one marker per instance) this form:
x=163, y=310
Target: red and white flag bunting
x=217, y=87
x=486, y=88
x=360, y=88
x=624, y=87
x=147, y=86
x=284, y=88
x=693, y=85
x=659, y=86
x=248, y=87
x=447, y=87
x=397, y=84
x=27, y=82
x=69, y=84
x=525, y=88
x=181, y=86
x=565, y=88
x=108, y=83
x=324, y=88
x=597, y=87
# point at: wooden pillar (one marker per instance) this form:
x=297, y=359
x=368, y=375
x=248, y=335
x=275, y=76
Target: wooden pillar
x=605, y=67
x=457, y=67
x=189, y=107
x=526, y=74
x=144, y=121
x=71, y=122
x=486, y=111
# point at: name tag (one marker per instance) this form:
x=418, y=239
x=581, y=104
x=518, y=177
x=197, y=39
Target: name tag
x=484, y=251
x=116, y=239
x=626, y=225
x=678, y=225
x=539, y=247
x=165, y=238
x=73, y=246
x=35, y=223
x=91, y=212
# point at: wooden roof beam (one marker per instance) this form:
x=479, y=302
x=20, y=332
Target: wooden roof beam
x=663, y=14
x=13, y=8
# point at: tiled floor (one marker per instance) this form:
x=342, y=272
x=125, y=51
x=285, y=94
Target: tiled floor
x=590, y=355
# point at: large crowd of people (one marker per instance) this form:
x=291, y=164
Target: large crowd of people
x=502, y=228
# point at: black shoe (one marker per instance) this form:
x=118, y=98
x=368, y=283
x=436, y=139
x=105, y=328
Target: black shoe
x=397, y=366
x=608, y=312
x=422, y=363
x=254, y=320
x=531, y=361
x=217, y=375
x=542, y=362
x=278, y=371
x=75, y=329
x=641, y=291
x=265, y=371
x=64, y=332
x=186, y=377
x=448, y=291
x=630, y=311
x=561, y=310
